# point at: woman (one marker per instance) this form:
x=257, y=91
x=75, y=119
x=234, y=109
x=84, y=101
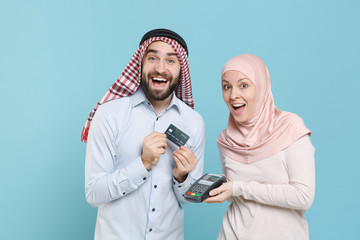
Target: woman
x=267, y=157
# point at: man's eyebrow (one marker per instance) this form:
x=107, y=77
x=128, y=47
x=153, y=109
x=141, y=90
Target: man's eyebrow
x=151, y=51
x=156, y=51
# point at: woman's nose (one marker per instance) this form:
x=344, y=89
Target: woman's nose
x=235, y=94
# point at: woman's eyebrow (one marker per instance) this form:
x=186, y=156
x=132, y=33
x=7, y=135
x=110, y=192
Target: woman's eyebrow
x=239, y=80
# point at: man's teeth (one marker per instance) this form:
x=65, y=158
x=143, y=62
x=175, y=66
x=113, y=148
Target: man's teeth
x=238, y=105
x=159, y=79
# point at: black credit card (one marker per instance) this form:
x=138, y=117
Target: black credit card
x=176, y=136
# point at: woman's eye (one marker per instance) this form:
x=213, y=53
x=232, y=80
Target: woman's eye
x=226, y=87
x=244, y=85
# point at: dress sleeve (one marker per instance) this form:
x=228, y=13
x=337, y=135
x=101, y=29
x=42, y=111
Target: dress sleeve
x=299, y=192
x=104, y=183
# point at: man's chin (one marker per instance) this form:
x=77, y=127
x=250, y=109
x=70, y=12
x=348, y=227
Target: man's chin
x=159, y=96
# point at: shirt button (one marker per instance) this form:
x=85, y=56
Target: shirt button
x=123, y=193
x=155, y=186
x=150, y=229
x=144, y=178
x=153, y=209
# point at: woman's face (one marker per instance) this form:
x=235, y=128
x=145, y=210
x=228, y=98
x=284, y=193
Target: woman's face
x=239, y=95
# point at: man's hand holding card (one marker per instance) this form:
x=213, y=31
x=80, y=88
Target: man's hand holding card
x=184, y=158
x=153, y=146
x=185, y=162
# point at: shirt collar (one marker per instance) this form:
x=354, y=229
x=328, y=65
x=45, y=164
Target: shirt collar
x=140, y=97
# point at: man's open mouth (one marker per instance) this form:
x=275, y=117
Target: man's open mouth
x=159, y=81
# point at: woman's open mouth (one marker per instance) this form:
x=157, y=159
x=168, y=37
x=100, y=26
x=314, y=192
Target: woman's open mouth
x=239, y=107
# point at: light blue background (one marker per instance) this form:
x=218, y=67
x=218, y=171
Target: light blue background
x=58, y=58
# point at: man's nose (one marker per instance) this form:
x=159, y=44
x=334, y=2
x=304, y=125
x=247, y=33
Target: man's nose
x=160, y=67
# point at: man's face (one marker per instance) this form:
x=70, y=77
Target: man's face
x=160, y=71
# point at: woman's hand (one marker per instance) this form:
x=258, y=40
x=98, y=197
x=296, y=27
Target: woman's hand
x=220, y=194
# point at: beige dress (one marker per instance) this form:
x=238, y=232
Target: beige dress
x=271, y=196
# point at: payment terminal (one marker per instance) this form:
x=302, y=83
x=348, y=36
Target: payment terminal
x=199, y=191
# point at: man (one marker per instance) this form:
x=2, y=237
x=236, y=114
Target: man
x=133, y=173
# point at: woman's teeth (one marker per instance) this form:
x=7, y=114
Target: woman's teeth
x=238, y=105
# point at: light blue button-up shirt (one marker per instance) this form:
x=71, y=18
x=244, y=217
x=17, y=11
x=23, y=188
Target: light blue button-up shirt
x=134, y=203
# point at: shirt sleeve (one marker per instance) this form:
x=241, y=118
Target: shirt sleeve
x=102, y=182
x=199, y=149
x=299, y=192
x=223, y=171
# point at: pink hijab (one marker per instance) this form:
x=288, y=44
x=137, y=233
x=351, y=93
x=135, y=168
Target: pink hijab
x=269, y=130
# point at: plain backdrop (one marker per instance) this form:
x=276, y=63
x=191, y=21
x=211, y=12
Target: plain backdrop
x=58, y=58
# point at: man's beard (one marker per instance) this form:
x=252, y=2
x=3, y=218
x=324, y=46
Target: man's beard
x=156, y=94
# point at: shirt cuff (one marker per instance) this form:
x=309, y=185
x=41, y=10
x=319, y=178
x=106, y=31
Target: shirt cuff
x=238, y=188
x=182, y=187
x=137, y=172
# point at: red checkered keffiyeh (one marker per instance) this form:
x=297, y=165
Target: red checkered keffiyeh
x=130, y=78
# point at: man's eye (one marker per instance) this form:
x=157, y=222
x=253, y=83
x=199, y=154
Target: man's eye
x=152, y=59
x=171, y=61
